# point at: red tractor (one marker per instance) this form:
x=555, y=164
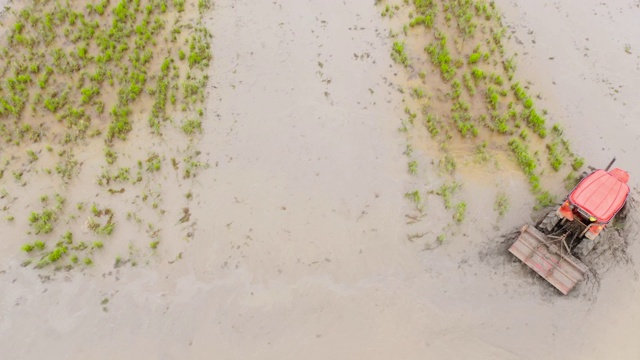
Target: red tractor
x=573, y=228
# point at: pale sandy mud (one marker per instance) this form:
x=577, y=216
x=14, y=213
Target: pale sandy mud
x=300, y=248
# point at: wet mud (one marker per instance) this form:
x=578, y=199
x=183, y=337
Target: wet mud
x=301, y=243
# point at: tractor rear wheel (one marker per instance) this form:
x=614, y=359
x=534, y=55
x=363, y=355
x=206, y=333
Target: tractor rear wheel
x=585, y=246
x=549, y=222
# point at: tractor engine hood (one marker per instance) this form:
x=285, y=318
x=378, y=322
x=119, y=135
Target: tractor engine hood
x=602, y=194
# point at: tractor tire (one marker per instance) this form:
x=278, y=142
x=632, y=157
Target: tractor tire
x=584, y=247
x=549, y=222
x=621, y=216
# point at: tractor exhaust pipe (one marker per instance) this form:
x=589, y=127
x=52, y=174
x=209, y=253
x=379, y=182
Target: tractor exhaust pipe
x=611, y=163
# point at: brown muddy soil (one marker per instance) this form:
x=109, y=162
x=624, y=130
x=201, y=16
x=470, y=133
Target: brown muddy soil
x=301, y=247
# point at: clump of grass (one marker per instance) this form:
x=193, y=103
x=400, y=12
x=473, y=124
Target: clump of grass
x=154, y=244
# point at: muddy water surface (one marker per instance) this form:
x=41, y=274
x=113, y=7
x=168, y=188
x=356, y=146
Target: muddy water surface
x=300, y=248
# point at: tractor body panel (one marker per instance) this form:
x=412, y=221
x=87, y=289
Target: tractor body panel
x=601, y=194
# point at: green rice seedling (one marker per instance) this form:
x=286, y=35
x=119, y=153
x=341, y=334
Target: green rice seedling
x=108, y=228
x=481, y=155
x=474, y=58
x=535, y=121
x=123, y=174
x=466, y=80
x=555, y=157
x=413, y=167
x=87, y=261
x=440, y=57
x=95, y=211
x=447, y=191
x=153, y=162
x=456, y=90
x=398, y=54
x=557, y=129
x=509, y=66
x=577, y=163
x=571, y=180
x=519, y=92
x=544, y=199
x=39, y=245
x=192, y=126
x=408, y=150
x=418, y=92
x=526, y=161
x=67, y=238
x=154, y=244
x=17, y=175
x=500, y=123
x=412, y=115
x=425, y=20
x=501, y=205
x=497, y=79
x=414, y=196
x=43, y=222
x=28, y=247
x=431, y=123
x=204, y=5
x=448, y=164
x=110, y=155
x=460, y=211
x=33, y=157
x=478, y=74
x=492, y=98
x=89, y=93
x=56, y=254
